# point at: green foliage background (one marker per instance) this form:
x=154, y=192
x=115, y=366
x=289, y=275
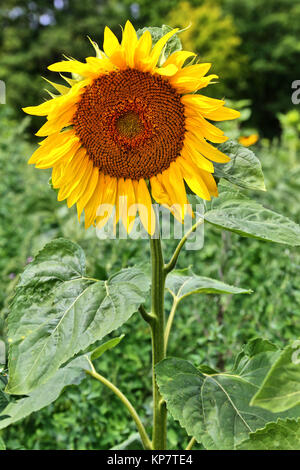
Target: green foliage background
x=265, y=38
x=254, y=45
x=211, y=331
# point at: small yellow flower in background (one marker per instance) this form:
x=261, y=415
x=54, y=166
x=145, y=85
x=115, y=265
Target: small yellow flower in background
x=127, y=121
x=250, y=140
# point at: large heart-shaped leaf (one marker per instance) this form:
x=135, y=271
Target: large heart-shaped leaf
x=58, y=312
x=244, y=168
x=214, y=407
x=248, y=218
x=281, y=388
x=282, y=435
x=181, y=286
x=72, y=374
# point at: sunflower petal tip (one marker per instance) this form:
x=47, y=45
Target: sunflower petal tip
x=28, y=109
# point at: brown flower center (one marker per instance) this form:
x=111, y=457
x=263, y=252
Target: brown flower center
x=131, y=124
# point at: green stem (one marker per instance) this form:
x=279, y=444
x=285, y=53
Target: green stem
x=171, y=265
x=170, y=322
x=148, y=317
x=159, y=437
x=144, y=436
x=191, y=444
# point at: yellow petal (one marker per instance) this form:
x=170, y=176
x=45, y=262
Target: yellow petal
x=145, y=208
x=199, y=104
x=118, y=58
x=91, y=208
x=163, y=193
x=173, y=181
x=93, y=68
x=62, y=89
x=85, y=198
x=210, y=183
x=157, y=49
x=223, y=114
x=178, y=58
x=57, y=124
x=111, y=43
x=73, y=167
x=58, y=105
x=97, y=50
x=190, y=151
x=193, y=71
x=120, y=200
x=86, y=186
x=129, y=43
x=143, y=49
x=57, y=172
x=108, y=201
x=67, y=189
x=70, y=81
x=159, y=192
x=192, y=176
x=191, y=85
x=83, y=180
x=248, y=141
x=126, y=203
x=68, y=149
x=206, y=129
x=72, y=66
x=167, y=70
x=51, y=144
x=212, y=152
x=42, y=109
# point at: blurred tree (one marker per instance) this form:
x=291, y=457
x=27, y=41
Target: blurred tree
x=213, y=36
x=35, y=34
x=270, y=33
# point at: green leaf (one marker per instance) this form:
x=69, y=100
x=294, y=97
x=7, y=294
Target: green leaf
x=173, y=44
x=58, y=312
x=214, y=407
x=181, y=286
x=282, y=435
x=250, y=219
x=2, y=352
x=244, y=168
x=3, y=401
x=71, y=374
x=3, y=396
x=132, y=443
x=281, y=388
x=255, y=346
x=105, y=346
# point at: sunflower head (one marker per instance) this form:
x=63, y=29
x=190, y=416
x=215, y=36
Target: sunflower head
x=133, y=124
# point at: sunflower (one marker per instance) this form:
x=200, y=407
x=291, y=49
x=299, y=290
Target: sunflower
x=247, y=141
x=129, y=127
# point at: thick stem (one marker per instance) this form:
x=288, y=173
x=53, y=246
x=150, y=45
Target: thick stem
x=159, y=438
